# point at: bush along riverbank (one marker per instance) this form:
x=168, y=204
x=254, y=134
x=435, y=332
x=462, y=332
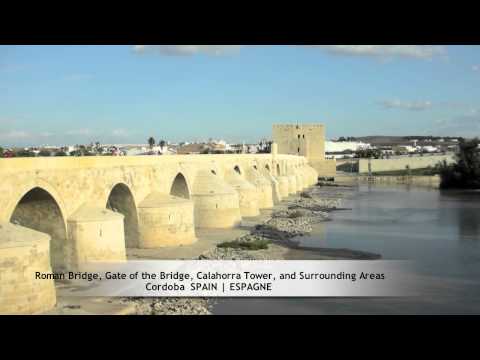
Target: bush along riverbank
x=465, y=173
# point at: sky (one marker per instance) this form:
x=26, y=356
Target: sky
x=58, y=95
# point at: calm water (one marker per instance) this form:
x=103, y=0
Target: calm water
x=439, y=231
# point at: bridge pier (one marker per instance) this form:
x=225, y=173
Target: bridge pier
x=95, y=234
x=165, y=220
x=283, y=186
x=299, y=178
x=276, y=197
x=264, y=188
x=22, y=253
x=313, y=173
x=292, y=184
x=247, y=193
x=217, y=204
x=307, y=176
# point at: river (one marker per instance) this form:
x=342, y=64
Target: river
x=438, y=230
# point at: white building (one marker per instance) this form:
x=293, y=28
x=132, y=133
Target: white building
x=430, y=149
x=342, y=146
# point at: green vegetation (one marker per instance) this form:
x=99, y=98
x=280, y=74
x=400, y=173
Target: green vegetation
x=258, y=244
x=369, y=154
x=24, y=153
x=1, y=151
x=349, y=166
x=265, y=147
x=151, y=142
x=45, y=153
x=465, y=173
x=344, y=139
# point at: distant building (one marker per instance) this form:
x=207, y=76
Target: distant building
x=191, y=149
x=430, y=149
x=335, y=147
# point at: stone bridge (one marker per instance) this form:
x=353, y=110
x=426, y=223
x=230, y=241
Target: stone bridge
x=61, y=212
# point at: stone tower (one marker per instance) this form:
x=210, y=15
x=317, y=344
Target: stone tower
x=306, y=140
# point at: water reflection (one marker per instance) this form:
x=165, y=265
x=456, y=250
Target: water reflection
x=461, y=208
x=468, y=224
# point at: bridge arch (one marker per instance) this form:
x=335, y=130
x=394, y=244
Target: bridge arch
x=180, y=187
x=38, y=209
x=121, y=200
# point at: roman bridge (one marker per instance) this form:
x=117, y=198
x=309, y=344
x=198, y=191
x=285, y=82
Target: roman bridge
x=61, y=212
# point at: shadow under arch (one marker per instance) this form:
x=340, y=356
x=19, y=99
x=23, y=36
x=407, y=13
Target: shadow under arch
x=237, y=169
x=279, y=173
x=39, y=210
x=268, y=168
x=121, y=200
x=180, y=187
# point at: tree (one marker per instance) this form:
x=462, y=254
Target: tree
x=60, y=153
x=265, y=147
x=151, y=142
x=369, y=153
x=45, y=153
x=162, y=143
x=465, y=173
x=24, y=153
x=1, y=151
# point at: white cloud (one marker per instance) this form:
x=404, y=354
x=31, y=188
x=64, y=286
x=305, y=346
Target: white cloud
x=406, y=105
x=45, y=134
x=385, y=51
x=187, y=50
x=15, y=134
x=380, y=51
x=82, y=132
x=120, y=133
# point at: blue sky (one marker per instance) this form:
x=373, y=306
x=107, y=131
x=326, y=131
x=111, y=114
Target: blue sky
x=124, y=94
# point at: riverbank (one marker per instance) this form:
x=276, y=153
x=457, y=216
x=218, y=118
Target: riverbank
x=274, y=235
x=430, y=181
x=438, y=232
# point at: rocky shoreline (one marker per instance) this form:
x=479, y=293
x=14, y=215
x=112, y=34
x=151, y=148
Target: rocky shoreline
x=292, y=219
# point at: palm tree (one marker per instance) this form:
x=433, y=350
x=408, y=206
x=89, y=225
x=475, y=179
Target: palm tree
x=151, y=142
